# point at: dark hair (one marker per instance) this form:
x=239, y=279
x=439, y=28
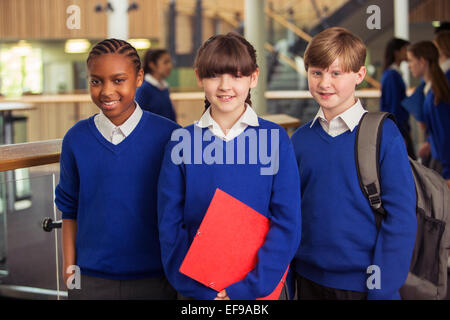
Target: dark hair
x=395, y=44
x=115, y=46
x=152, y=55
x=442, y=40
x=230, y=53
x=439, y=84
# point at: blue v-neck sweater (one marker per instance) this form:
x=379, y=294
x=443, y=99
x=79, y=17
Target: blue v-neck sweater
x=111, y=192
x=155, y=100
x=339, y=236
x=185, y=191
x=393, y=91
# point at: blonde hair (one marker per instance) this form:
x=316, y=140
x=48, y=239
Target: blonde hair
x=333, y=43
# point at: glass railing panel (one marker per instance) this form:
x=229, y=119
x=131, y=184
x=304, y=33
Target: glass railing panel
x=30, y=267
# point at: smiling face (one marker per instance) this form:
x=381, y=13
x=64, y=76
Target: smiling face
x=227, y=92
x=333, y=88
x=113, y=81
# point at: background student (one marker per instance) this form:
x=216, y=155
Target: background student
x=107, y=190
x=153, y=95
x=393, y=89
x=442, y=42
x=423, y=58
x=339, y=233
x=226, y=69
x=423, y=61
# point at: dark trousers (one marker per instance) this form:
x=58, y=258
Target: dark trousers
x=309, y=290
x=93, y=288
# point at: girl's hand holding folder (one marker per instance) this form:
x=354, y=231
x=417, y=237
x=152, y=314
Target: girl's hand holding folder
x=222, y=295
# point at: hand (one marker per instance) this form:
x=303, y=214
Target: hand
x=424, y=150
x=222, y=295
x=65, y=275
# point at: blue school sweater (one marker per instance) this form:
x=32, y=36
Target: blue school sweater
x=393, y=91
x=155, y=100
x=437, y=119
x=111, y=192
x=185, y=192
x=339, y=235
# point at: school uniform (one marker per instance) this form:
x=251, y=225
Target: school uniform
x=108, y=184
x=154, y=96
x=339, y=235
x=393, y=91
x=186, y=189
x=437, y=120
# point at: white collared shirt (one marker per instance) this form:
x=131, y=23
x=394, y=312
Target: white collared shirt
x=445, y=66
x=347, y=120
x=396, y=68
x=248, y=118
x=160, y=85
x=116, y=134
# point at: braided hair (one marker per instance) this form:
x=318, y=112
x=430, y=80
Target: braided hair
x=115, y=46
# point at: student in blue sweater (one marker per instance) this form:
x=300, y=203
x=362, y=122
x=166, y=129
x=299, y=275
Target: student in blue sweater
x=110, y=165
x=393, y=89
x=340, y=243
x=424, y=56
x=153, y=95
x=230, y=148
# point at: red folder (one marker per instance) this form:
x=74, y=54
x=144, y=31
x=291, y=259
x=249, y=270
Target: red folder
x=225, y=247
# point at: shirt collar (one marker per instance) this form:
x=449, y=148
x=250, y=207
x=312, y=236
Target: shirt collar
x=445, y=66
x=351, y=116
x=126, y=128
x=249, y=117
x=396, y=68
x=161, y=85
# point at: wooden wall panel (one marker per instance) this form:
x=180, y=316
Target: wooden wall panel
x=188, y=111
x=431, y=10
x=146, y=21
x=52, y=121
x=46, y=19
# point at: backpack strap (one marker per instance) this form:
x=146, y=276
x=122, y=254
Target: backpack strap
x=367, y=154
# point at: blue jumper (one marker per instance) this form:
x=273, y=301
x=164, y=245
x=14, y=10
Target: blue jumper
x=339, y=235
x=186, y=188
x=110, y=190
x=155, y=100
x=393, y=91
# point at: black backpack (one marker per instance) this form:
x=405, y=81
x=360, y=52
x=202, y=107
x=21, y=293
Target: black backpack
x=427, y=278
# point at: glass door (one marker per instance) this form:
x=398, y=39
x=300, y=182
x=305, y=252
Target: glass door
x=29, y=256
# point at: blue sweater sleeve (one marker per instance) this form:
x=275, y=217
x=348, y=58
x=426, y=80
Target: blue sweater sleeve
x=173, y=235
x=397, y=235
x=66, y=193
x=283, y=237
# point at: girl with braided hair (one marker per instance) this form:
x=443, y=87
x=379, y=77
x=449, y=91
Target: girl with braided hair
x=110, y=165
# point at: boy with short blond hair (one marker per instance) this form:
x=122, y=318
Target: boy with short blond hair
x=340, y=245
